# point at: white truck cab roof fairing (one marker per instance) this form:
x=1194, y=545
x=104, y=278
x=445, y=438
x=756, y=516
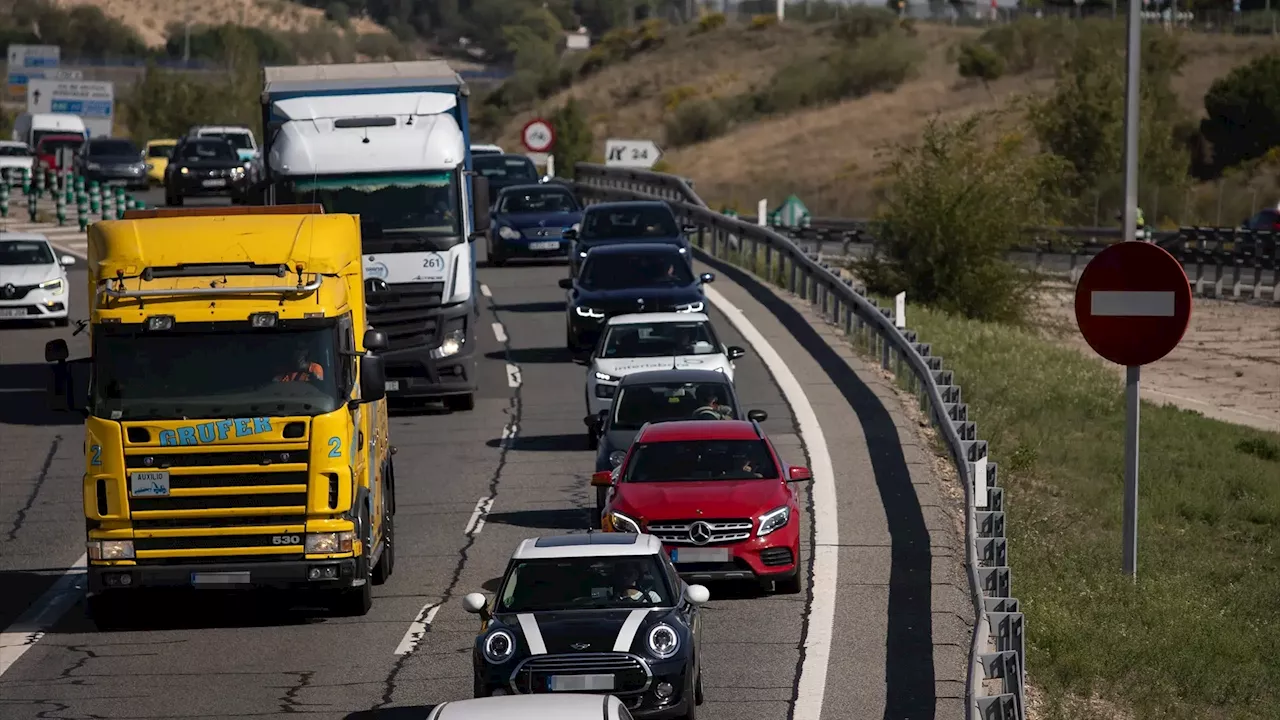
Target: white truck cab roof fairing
x=311, y=142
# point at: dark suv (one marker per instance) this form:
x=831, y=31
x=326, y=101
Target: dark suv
x=619, y=223
x=204, y=166
x=112, y=161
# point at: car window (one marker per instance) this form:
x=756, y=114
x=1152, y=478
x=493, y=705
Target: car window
x=640, y=340
x=585, y=582
x=25, y=252
x=667, y=402
x=206, y=150
x=238, y=140
x=14, y=151
x=693, y=460
x=160, y=151
x=51, y=146
x=630, y=222
x=615, y=271
x=505, y=167
x=113, y=147
x=538, y=201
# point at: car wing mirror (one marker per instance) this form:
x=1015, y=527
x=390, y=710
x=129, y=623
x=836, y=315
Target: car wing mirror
x=733, y=352
x=697, y=594
x=565, y=283
x=476, y=604
x=798, y=474
x=569, y=234
x=67, y=259
x=707, y=277
x=757, y=415
x=603, y=478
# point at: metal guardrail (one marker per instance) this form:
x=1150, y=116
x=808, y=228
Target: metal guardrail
x=997, y=652
x=1221, y=262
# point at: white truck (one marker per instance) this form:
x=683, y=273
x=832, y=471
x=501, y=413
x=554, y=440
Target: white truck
x=391, y=143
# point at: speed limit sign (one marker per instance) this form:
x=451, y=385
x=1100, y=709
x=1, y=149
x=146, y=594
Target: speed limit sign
x=538, y=136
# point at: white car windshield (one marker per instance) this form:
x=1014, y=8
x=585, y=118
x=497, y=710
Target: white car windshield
x=25, y=252
x=666, y=339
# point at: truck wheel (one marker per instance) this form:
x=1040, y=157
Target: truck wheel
x=460, y=403
x=355, y=602
x=107, y=611
x=387, y=563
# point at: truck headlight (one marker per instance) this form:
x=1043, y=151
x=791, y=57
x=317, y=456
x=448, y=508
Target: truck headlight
x=110, y=549
x=329, y=543
x=451, y=345
x=54, y=286
x=622, y=523
x=508, y=233
x=774, y=519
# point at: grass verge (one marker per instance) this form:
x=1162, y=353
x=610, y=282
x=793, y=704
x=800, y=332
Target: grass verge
x=1196, y=635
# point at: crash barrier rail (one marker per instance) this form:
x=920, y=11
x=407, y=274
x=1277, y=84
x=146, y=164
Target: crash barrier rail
x=997, y=652
x=1221, y=262
x=91, y=200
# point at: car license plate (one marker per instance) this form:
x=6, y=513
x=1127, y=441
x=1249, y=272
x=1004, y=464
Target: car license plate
x=214, y=183
x=393, y=385
x=13, y=312
x=700, y=555
x=219, y=579
x=149, y=483
x=545, y=245
x=578, y=683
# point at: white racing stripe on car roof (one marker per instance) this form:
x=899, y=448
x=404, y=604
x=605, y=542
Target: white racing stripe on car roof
x=627, y=634
x=532, y=634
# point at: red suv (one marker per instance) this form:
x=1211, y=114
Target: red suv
x=716, y=494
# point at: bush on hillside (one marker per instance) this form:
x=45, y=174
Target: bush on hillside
x=980, y=62
x=760, y=22
x=696, y=121
x=708, y=22
x=211, y=43
x=82, y=31
x=574, y=140
x=879, y=64
x=1029, y=43
x=859, y=22
x=953, y=205
x=1243, y=113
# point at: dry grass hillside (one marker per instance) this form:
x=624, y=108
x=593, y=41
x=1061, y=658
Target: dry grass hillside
x=150, y=18
x=827, y=155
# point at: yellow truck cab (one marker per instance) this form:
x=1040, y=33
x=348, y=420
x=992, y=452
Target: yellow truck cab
x=236, y=429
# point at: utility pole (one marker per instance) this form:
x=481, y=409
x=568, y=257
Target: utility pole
x=186, y=44
x=782, y=9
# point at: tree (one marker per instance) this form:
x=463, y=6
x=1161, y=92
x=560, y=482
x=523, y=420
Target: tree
x=953, y=205
x=574, y=141
x=1243, y=112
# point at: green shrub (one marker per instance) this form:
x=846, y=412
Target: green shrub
x=980, y=62
x=878, y=64
x=760, y=22
x=82, y=31
x=166, y=103
x=860, y=22
x=574, y=140
x=953, y=205
x=1242, y=112
x=696, y=121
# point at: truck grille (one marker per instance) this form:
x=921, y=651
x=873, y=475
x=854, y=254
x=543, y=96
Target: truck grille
x=631, y=674
x=401, y=312
x=678, y=532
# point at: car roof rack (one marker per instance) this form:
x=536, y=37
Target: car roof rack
x=148, y=274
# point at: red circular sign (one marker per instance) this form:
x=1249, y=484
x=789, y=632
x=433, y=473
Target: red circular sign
x=1133, y=303
x=538, y=136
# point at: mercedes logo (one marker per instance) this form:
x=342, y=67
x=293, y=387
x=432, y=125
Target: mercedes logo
x=580, y=646
x=375, y=285
x=10, y=290
x=639, y=301
x=700, y=533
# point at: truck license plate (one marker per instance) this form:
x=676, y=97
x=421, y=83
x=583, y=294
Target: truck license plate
x=13, y=312
x=545, y=245
x=214, y=183
x=393, y=385
x=219, y=579
x=578, y=683
x=149, y=483
x=700, y=555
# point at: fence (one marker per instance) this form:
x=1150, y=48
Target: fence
x=1221, y=262
x=997, y=651
x=65, y=191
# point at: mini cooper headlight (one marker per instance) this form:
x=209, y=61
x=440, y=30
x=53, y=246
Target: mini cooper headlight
x=773, y=520
x=499, y=646
x=663, y=641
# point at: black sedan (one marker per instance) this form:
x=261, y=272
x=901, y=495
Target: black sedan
x=203, y=166
x=630, y=278
x=599, y=613
x=626, y=222
x=527, y=222
x=660, y=396
x=112, y=161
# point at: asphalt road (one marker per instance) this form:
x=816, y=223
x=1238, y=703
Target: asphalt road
x=206, y=657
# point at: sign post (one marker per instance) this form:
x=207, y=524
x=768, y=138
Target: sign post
x=93, y=101
x=638, y=154
x=26, y=63
x=538, y=136
x=1133, y=305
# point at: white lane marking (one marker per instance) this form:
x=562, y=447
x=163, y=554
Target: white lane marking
x=500, y=332
x=27, y=630
x=532, y=633
x=627, y=634
x=476, y=522
x=513, y=375
x=1130, y=303
x=509, y=433
x=485, y=291
x=417, y=629
x=822, y=610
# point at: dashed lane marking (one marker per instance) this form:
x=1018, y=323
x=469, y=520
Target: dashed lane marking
x=485, y=291
x=476, y=522
x=500, y=332
x=418, y=628
x=513, y=375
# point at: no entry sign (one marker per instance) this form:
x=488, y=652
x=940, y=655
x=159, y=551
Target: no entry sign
x=1133, y=303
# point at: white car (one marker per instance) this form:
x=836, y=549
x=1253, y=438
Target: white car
x=484, y=149
x=16, y=155
x=558, y=706
x=33, y=279
x=641, y=342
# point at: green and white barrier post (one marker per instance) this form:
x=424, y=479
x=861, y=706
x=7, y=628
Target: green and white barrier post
x=60, y=207
x=82, y=209
x=4, y=199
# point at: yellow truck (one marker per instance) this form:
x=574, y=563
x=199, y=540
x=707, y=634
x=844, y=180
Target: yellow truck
x=236, y=429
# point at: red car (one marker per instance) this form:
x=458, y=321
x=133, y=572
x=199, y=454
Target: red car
x=47, y=147
x=717, y=495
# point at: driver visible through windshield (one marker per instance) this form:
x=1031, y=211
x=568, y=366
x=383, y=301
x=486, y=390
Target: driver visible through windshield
x=585, y=583
x=666, y=339
x=638, y=222
x=668, y=402
x=142, y=375
x=617, y=271
x=694, y=460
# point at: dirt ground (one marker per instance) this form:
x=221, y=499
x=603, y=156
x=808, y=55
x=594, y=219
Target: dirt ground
x=1227, y=367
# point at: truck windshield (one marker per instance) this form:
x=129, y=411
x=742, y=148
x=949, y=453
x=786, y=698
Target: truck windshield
x=398, y=213
x=180, y=373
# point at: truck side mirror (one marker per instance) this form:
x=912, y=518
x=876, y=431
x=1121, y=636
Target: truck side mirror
x=481, y=202
x=373, y=379
x=375, y=340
